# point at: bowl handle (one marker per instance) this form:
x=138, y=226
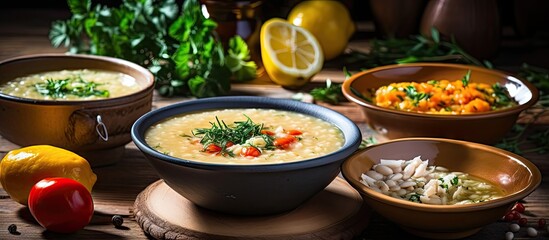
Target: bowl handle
x=101, y=129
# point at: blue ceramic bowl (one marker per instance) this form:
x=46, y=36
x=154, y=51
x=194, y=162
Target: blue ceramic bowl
x=247, y=189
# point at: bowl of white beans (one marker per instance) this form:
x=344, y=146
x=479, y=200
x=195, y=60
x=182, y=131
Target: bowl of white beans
x=440, y=188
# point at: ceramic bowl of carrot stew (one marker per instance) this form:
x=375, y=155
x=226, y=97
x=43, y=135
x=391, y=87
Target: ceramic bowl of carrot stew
x=445, y=100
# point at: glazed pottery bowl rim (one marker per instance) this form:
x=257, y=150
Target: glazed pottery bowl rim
x=350, y=130
x=348, y=93
x=400, y=203
x=146, y=89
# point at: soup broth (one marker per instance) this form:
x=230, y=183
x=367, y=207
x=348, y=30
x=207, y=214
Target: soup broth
x=278, y=136
x=70, y=85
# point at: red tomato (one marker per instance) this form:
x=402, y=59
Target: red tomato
x=212, y=148
x=284, y=142
x=509, y=217
x=61, y=204
x=267, y=132
x=294, y=132
x=250, y=152
x=519, y=207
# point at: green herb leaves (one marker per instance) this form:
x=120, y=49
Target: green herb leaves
x=183, y=51
x=238, y=60
x=414, y=95
x=223, y=135
x=466, y=78
x=417, y=48
x=70, y=86
x=330, y=94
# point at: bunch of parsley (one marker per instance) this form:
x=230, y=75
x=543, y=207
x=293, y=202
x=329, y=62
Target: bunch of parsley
x=182, y=51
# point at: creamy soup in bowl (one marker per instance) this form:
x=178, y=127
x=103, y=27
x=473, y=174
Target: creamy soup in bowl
x=245, y=136
x=71, y=85
x=246, y=155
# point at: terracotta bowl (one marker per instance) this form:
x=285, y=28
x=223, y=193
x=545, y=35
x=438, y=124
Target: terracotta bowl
x=517, y=176
x=95, y=129
x=488, y=128
x=256, y=189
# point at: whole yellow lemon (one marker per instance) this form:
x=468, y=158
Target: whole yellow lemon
x=21, y=168
x=329, y=21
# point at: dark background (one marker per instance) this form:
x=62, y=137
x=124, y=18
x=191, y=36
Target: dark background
x=536, y=10
x=359, y=9
x=524, y=25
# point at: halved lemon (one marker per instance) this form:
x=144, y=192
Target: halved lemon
x=291, y=54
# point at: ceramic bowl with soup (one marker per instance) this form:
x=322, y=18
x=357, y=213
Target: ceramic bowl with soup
x=82, y=103
x=246, y=155
x=446, y=100
x=440, y=188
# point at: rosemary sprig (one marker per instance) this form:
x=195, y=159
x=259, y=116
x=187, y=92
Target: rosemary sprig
x=417, y=48
x=60, y=88
x=540, y=78
x=516, y=142
x=222, y=134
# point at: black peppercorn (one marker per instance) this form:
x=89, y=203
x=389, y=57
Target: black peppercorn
x=117, y=220
x=12, y=228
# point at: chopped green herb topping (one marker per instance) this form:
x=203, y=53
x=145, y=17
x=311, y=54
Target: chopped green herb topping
x=415, y=198
x=222, y=134
x=466, y=78
x=70, y=86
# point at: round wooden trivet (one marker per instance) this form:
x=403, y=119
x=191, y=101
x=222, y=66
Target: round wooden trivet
x=338, y=212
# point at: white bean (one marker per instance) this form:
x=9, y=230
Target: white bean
x=509, y=236
x=532, y=232
x=420, y=170
x=370, y=181
x=391, y=183
x=407, y=184
x=392, y=163
x=442, y=169
x=383, y=186
x=383, y=169
x=396, y=176
x=408, y=171
x=375, y=175
x=514, y=227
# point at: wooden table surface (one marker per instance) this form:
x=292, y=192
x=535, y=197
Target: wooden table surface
x=24, y=31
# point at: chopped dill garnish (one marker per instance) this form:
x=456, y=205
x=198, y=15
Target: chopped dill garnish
x=70, y=86
x=222, y=134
